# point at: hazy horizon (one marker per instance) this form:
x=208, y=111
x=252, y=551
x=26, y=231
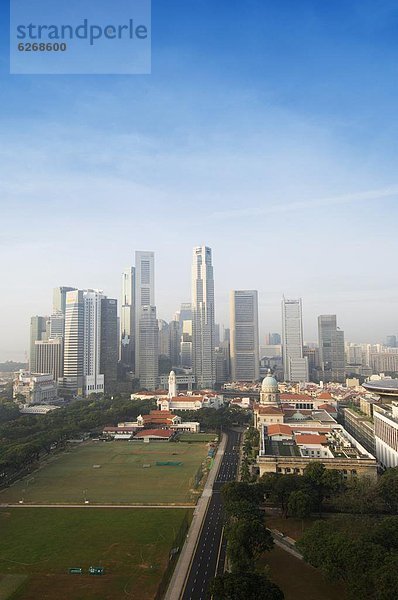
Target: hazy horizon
x=270, y=138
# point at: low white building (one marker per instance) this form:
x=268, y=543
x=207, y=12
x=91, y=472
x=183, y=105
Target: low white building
x=36, y=388
x=190, y=402
x=38, y=409
x=386, y=433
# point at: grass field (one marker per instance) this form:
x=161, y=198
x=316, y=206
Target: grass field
x=70, y=477
x=42, y=543
x=197, y=437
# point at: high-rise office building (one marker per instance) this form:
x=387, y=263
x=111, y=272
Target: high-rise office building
x=90, y=329
x=128, y=319
x=49, y=357
x=57, y=325
x=74, y=343
x=109, y=343
x=148, y=356
x=295, y=364
x=144, y=296
x=391, y=341
x=39, y=330
x=164, y=338
x=331, y=349
x=93, y=378
x=272, y=339
x=175, y=337
x=59, y=299
x=203, y=315
x=245, y=361
x=185, y=322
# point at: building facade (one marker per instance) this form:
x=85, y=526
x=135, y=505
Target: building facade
x=109, y=343
x=144, y=297
x=148, y=343
x=127, y=319
x=331, y=349
x=244, y=348
x=203, y=318
x=295, y=364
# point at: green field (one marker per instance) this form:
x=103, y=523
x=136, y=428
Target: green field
x=197, y=437
x=42, y=543
x=70, y=477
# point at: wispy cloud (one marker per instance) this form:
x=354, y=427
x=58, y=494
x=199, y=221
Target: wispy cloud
x=365, y=196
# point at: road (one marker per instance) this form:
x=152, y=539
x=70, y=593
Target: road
x=209, y=557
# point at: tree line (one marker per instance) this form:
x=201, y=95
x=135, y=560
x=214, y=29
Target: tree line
x=247, y=539
x=25, y=438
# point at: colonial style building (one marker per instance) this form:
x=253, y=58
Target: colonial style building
x=291, y=437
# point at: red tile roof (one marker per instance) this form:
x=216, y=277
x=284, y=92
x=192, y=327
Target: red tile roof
x=290, y=396
x=325, y=396
x=162, y=433
x=307, y=438
x=279, y=429
x=268, y=410
x=328, y=407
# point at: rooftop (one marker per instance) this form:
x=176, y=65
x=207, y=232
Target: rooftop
x=383, y=387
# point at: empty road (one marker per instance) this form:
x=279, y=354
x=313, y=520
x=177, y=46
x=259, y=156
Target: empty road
x=209, y=557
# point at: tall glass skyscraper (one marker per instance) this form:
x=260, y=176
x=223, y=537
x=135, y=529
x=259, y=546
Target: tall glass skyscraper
x=244, y=335
x=144, y=298
x=331, y=349
x=295, y=365
x=203, y=318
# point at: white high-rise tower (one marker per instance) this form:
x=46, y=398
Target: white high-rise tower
x=295, y=365
x=203, y=315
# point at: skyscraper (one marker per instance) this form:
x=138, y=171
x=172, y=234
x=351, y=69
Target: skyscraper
x=148, y=356
x=93, y=378
x=39, y=330
x=90, y=328
x=144, y=296
x=203, y=314
x=128, y=319
x=331, y=349
x=49, y=357
x=109, y=343
x=74, y=342
x=59, y=299
x=295, y=365
x=244, y=335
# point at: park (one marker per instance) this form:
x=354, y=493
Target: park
x=118, y=505
x=114, y=473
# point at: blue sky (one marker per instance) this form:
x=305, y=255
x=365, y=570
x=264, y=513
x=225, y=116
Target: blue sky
x=267, y=130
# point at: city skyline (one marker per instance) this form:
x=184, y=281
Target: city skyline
x=265, y=326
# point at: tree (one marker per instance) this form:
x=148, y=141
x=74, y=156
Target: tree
x=247, y=540
x=240, y=490
x=279, y=487
x=300, y=505
x=387, y=579
x=388, y=489
x=385, y=533
x=244, y=586
x=321, y=482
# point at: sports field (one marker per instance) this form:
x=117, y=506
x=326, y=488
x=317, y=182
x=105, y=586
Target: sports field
x=41, y=544
x=197, y=437
x=115, y=472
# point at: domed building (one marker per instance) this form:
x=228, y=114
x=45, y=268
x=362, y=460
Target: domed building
x=269, y=390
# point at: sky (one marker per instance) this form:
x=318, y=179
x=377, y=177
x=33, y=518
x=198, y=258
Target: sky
x=267, y=130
